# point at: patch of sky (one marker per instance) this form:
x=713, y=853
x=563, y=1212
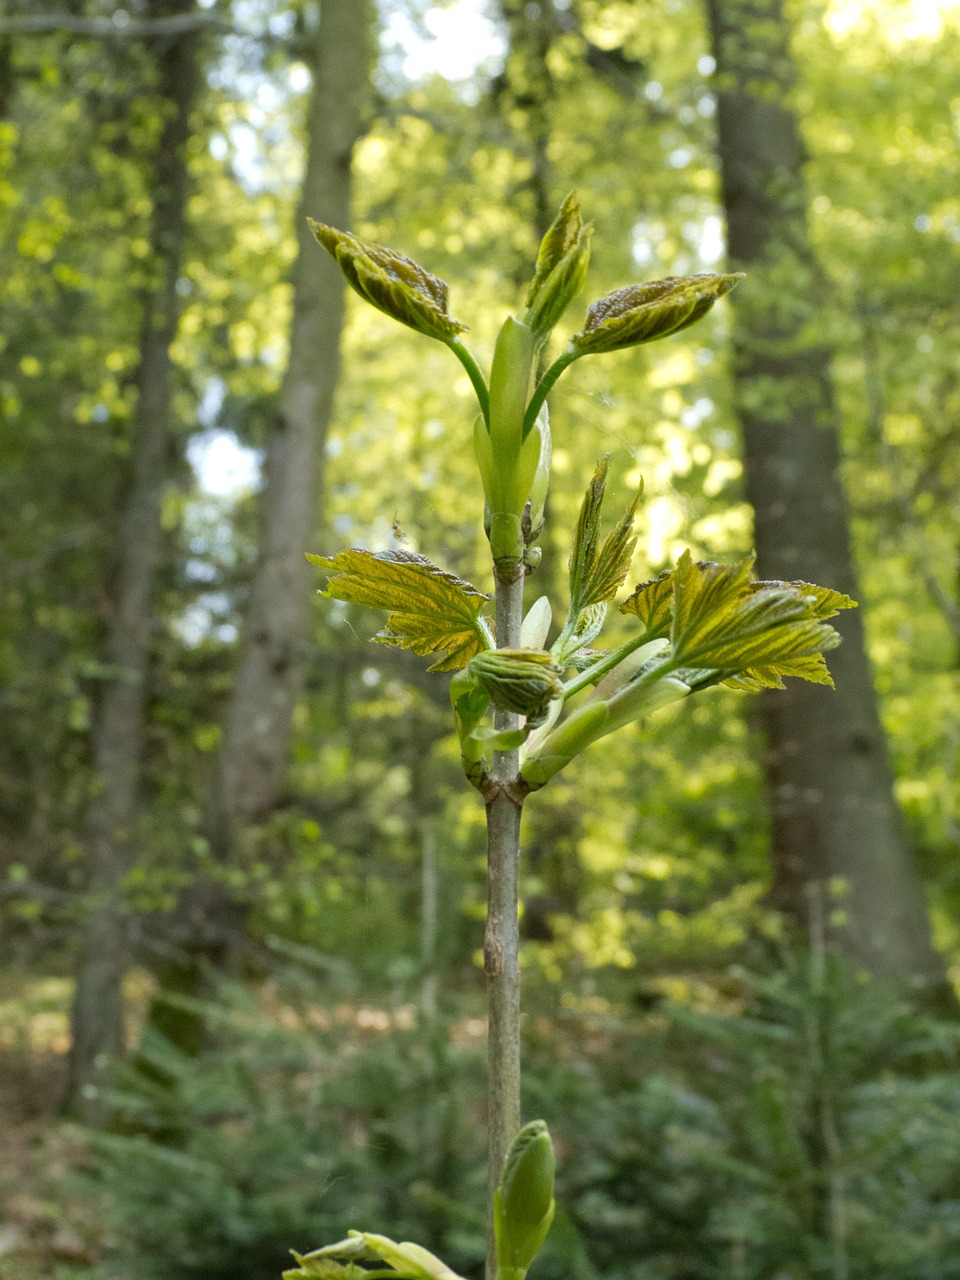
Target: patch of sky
x=224, y=467
x=203, y=620
x=694, y=415
x=458, y=41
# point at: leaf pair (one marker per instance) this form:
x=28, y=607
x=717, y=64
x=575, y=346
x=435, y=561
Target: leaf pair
x=596, y=572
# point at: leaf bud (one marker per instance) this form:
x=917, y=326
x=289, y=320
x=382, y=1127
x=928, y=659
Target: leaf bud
x=561, y=268
x=522, y=680
x=524, y=1205
x=391, y=282
x=645, y=312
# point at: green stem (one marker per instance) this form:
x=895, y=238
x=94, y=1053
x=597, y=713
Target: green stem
x=501, y=945
x=545, y=386
x=599, y=669
x=475, y=375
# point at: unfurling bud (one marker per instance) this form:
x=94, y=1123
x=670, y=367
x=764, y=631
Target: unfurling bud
x=644, y=312
x=392, y=283
x=524, y=1204
x=522, y=680
x=561, y=268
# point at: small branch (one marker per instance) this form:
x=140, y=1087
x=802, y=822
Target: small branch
x=116, y=27
x=501, y=944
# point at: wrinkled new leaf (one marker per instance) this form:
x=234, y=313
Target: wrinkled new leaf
x=596, y=572
x=642, y=313
x=431, y=611
x=391, y=282
x=752, y=634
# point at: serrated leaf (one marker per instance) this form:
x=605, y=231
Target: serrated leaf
x=320, y=1268
x=391, y=282
x=813, y=667
x=561, y=268
x=825, y=602
x=431, y=611
x=596, y=573
x=652, y=603
x=722, y=621
x=751, y=635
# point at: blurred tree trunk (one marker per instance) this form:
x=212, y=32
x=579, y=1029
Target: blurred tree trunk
x=252, y=763
x=837, y=833
x=120, y=718
x=251, y=766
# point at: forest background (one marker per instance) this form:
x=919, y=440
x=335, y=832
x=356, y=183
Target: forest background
x=242, y=884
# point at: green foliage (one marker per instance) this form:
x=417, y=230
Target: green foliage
x=431, y=610
x=391, y=282
x=724, y=1129
x=645, y=312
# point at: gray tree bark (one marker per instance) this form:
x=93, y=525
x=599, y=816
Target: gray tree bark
x=837, y=833
x=251, y=766
x=119, y=724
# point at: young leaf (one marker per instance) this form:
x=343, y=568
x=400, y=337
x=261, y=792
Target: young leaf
x=596, y=572
x=561, y=268
x=521, y=680
x=431, y=611
x=644, y=312
x=722, y=622
x=652, y=603
x=338, y=1261
x=391, y=282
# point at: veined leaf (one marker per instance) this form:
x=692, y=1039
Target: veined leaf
x=644, y=312
x=561, y=268
x=339, y=1261
x=391, y=282
x=596, y=572
x=431, y=611
x=824, y=602
x=750, y=634
x=652, y=603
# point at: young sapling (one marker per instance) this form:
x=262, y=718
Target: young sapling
x=696, y=625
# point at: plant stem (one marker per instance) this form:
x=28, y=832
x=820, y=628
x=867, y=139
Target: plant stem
x=501, y=945
x=593, y=673
x=468, y=360
x=545, y=385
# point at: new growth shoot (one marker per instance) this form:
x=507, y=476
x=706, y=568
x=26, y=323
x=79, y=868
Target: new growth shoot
x=523, y=708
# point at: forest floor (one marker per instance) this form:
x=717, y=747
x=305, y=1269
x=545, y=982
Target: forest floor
x=45, y=1232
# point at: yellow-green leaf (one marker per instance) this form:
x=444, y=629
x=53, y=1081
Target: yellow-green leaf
x=723, y=622
x=644, y=312
x=391, y=282
x=431, y=611
x=652, y=603
x=596, y=573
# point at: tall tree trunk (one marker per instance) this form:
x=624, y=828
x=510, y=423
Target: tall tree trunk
x=834, y=817
x=118, y=730
x=251, y=767
x=252, y=763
